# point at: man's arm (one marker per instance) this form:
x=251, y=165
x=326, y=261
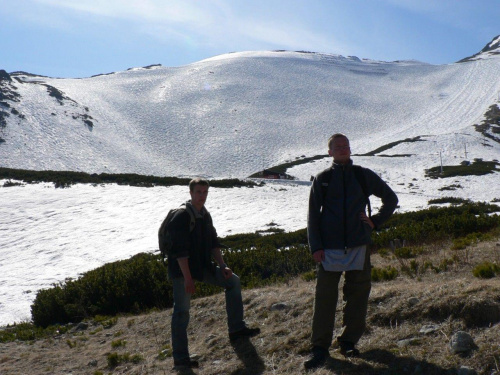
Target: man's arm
x=389, y=199
x=314, y=220
x=188, y=280
x=226, y=271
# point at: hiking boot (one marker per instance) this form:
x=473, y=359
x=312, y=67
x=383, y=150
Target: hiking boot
x=347, y=349
x=318, y=358
x=185, y=363
x=245, y=332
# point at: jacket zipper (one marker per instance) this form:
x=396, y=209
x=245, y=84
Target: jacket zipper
x=345, y=209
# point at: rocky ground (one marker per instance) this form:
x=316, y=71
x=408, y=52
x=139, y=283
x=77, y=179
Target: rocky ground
x=412, y=321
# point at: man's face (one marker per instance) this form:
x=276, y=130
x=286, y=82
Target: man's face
x=340, y=150
x=199, y=196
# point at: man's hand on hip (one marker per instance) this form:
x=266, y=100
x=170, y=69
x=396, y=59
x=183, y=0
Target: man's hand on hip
x=227, y=272
x=319, y=256
x=189, y=286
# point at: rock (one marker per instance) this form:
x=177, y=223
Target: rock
x=408, y=342
x=210, y=338
x=4, y=76
x=429, y=328
x=279, y=306
x=92, y=363
x=461, y=343
x=466, y=371
x=413, y=301
x=81, y=326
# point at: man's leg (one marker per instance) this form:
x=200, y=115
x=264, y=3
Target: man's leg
x=180, y=320
x=357, y=288
x=234, y=301
x=325, y=304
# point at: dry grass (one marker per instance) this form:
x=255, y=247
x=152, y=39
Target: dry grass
x=454, y=300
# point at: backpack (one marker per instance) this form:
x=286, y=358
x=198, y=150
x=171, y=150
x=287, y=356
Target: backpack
x=360, y=177
x=164, y=239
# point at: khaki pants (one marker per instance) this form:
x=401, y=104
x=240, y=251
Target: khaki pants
x=357, y=285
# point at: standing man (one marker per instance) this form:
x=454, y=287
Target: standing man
x=190, y=259
x=339, y=232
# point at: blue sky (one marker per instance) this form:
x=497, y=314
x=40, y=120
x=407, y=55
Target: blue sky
x=80, y=38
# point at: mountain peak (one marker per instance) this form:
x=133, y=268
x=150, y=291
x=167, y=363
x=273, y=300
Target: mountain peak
x=491, y=49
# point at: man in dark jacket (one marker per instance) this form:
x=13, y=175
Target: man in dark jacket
x=190, y=260
x=339, y=232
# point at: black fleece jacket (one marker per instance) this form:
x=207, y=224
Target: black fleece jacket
x=197, y=244
x=333, y=220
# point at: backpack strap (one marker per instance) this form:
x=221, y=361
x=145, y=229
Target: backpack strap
x=192, y=216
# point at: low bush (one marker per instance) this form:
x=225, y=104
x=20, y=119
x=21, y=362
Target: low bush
x=64, y=179
x=140, y=283
x=438, y=223
x=408, y=252
x=384, y=274
x=472, y=238
x=486, y=270
x=476, y=168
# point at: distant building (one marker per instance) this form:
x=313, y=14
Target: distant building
x=267, y=173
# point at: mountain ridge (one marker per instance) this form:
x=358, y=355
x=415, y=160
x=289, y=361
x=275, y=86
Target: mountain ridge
x=236, y=114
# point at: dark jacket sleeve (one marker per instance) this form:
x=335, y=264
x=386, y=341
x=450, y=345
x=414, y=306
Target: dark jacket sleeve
x=215, y=239
x=379, y=188
x=314, y=216
x=180, y=234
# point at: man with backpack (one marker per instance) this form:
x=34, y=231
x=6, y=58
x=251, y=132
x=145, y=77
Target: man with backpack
x=339, y=234
x=193, y=242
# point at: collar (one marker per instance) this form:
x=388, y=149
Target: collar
x=198, y=214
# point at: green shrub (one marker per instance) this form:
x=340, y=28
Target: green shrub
x=118, y=343
x=309, y=276
x=64, y=179
x=452, y=200
x=384, y=274
x=486, y=270
x=438, y=223
x=477, y=168
x=140, y=283
x=165, y=352
x=408, y=252
x=472, y=238
x=28, y=332
x=114, y=359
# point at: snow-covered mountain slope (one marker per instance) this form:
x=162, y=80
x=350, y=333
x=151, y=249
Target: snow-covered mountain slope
x=236, y=114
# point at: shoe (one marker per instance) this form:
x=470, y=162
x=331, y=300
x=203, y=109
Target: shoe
x=318, y=358
x=245, y=332
x=185, y=363
x=347, y=349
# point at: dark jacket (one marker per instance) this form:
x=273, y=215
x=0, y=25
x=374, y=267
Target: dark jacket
x=197, y=244
x=333, y=220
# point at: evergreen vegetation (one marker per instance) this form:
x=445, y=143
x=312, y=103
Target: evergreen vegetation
x=477, y=168
x=391, y=145
x=67, y=178
x=282, y=168
x=140, y=283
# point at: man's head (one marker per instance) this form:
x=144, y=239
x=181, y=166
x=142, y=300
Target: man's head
x=338, y=147
x=198, y=188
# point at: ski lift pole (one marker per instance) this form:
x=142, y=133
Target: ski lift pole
x=441, y=159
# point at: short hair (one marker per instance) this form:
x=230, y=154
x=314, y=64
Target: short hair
x=197, y=181
x=334, y=137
